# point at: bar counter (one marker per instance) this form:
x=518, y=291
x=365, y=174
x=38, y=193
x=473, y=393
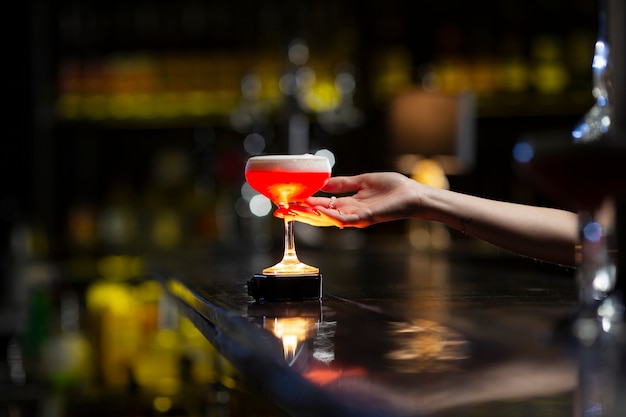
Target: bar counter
x=471, y=331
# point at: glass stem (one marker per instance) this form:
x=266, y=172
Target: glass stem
x=290, y=245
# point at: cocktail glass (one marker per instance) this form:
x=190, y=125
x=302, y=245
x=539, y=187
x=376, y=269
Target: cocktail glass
x=288, y=180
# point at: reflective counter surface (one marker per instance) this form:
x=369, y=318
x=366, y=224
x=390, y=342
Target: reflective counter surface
x=399, y=333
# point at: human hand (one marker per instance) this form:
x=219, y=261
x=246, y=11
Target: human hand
x=306, y=214
x=362, y=200
x=378, y=197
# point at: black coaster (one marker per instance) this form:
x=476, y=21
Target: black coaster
x=285, y=287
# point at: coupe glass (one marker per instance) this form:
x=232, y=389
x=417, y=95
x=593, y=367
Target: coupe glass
x=288, y=180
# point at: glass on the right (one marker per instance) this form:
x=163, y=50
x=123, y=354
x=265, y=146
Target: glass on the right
x=585, y=169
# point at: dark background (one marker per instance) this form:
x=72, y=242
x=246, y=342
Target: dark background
x=50, y=163
x=60, y=173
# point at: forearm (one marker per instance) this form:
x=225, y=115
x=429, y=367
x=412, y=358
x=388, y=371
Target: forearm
x=538, y=232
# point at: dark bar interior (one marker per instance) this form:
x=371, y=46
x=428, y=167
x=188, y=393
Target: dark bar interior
x=128, y=230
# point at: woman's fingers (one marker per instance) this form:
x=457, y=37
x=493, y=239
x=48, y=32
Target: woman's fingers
x=308, y=215
x=342, y=185
x=318, y=201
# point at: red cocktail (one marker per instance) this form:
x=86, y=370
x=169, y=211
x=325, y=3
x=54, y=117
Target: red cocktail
x=283, y=186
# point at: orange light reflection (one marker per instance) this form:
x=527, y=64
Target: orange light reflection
x=326, y=376
x=292, y=331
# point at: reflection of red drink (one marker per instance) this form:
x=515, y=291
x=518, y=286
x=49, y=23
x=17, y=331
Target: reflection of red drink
x=580, y=174
x=287, y=178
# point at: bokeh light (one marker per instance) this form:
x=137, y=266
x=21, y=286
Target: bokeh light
x=260, y=205
x=523, y=152
x=254, y=144
x=328, y=154
x=298, y=52
x=247, y=192
x=593, y=232
x=345, y=83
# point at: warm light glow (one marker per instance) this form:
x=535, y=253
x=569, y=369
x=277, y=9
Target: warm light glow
x=162, y=404
x=139, y=87
x=83, y=226
x=112, y=296
x=166, y=230
x=425, y=345
x=321, y=96
x=148, y=291
x=119, y=267
x=167, y=338
x=325, y=376
x=292, y=331
x=430, y=172
x=435, y=125
x=290, y=344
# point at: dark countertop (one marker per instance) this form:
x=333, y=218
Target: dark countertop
x=401, y=333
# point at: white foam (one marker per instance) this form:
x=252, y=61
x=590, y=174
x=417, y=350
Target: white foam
x=304, y=162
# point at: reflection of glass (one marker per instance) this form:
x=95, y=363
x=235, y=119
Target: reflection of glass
x=288, y=180
x=426, y=346
x=299, y=326
x=292, y=331
x=601, y=380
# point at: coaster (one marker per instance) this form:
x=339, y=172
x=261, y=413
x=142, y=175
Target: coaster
x=285, y=287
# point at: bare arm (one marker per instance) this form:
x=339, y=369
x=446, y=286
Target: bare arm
x=538, y=232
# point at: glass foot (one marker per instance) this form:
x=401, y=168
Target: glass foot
x=291, y=268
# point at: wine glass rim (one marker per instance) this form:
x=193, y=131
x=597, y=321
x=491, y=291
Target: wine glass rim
x=282, y=157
